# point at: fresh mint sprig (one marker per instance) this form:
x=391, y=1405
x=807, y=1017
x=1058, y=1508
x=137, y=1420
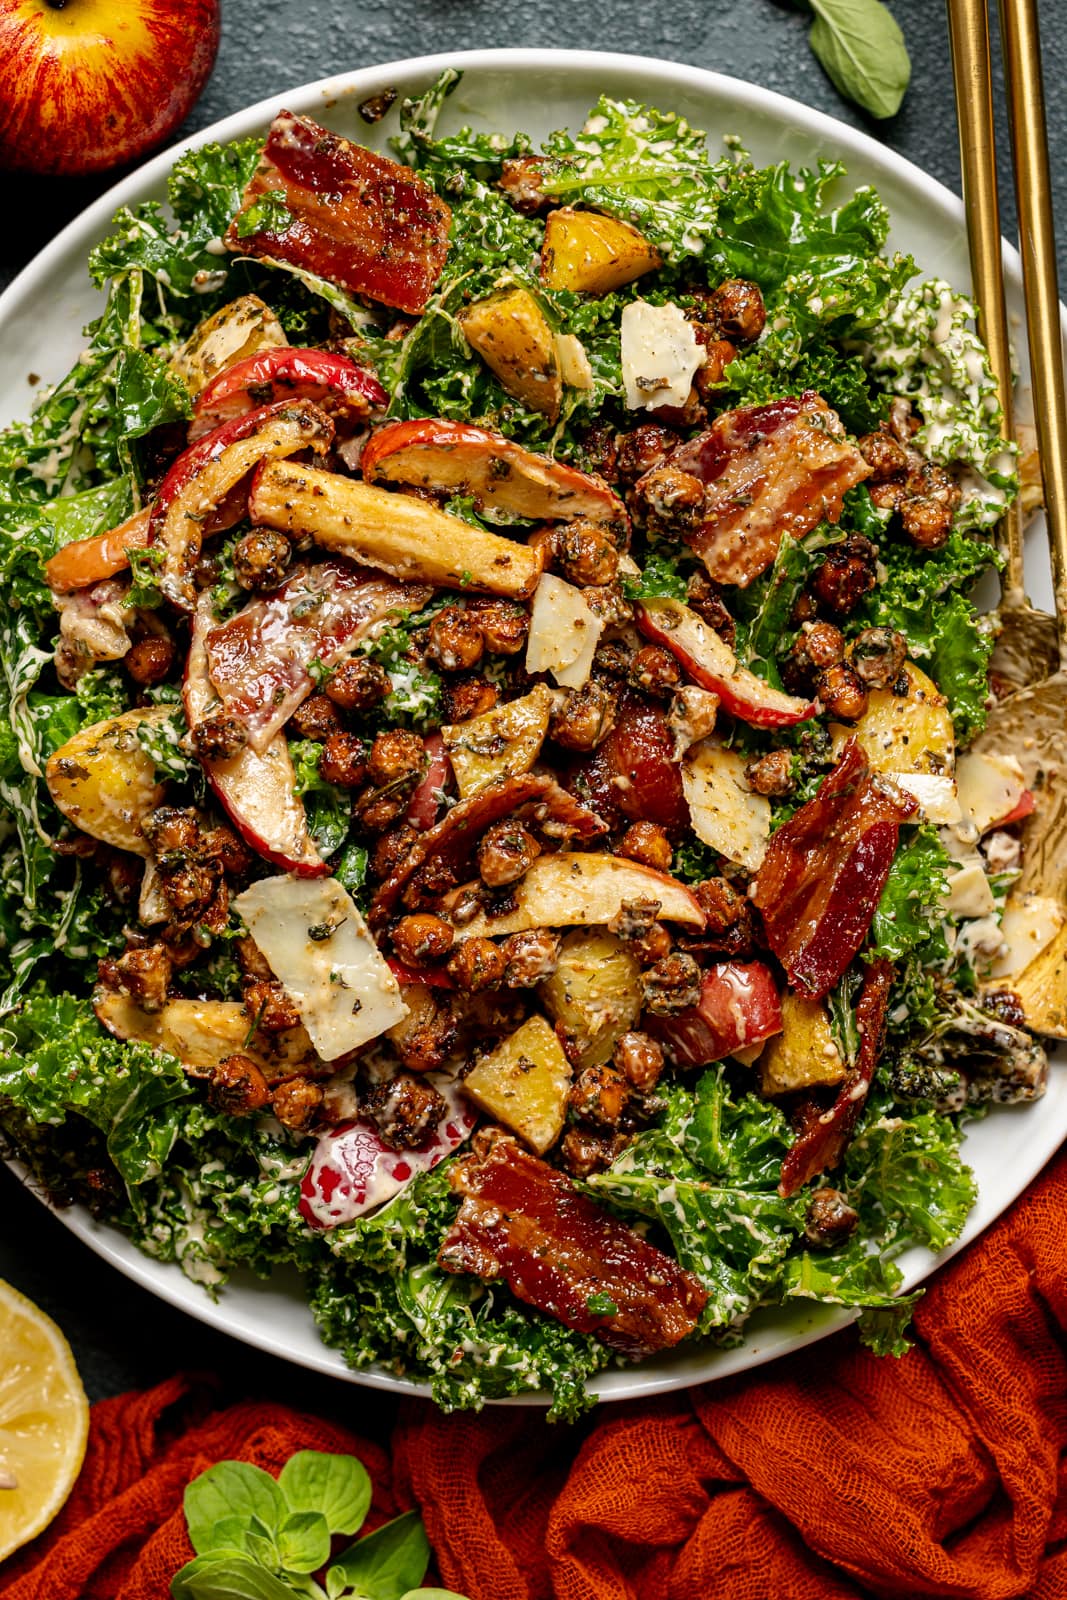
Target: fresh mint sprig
x=263, y=1538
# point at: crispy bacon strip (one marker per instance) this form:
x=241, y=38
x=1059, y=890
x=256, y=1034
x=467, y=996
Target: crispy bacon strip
x=523, y=1221
x=259, y=658
x=770, y=470
x=824, y=873
x=826, y=1137
x=453, y=838
x=350, y=216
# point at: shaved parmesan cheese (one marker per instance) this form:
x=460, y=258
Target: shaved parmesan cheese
x=325, y=958
x=969, y=892
x=660, y=355
x=726, y=813
x=935, y=792
x=573, y=362
x=990, y=787
x=564, y=633
x=1027, y=927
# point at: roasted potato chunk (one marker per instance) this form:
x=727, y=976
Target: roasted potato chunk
x=594, y=994
x=105, y=783
x=905, y=733
x=804, y=1053
x=235, y=331
x=523, y=1084
x=503, y=742
x=510, y=333
x=591, y=254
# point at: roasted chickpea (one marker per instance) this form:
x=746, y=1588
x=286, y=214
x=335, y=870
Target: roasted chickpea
x=430, y=1039
x=817, y=646
x=521, y=180
x=530, y=957
x=268, y=1007
x=584, y=718
x=652, y=946
x=829, y=1220
x=737, y=310
x=639, y=1059
x=405, y=1109
x=150, y=660
x=343, y=761
x=718, y=353
x=144, y=974
x=378, y=809
x=886, y=456
x=643, y=449
x=295, y=1102
x=927, y=522
x=190, y=888
x=672, y=985
x=655, y=670
x=455, y=640
x=251, y=960
x=221, y=844
x=669, y=501
x=586, y=554
x=261, y=559
x=422, y=939
x=172, y=831
x=585, y=1151
x=648, y=843
x=220, y=737
x=316, y=719
x=504, y=625
x=475, y=965
x=396, y=753
x=703, y=598
x=849, y=571
x=600, y=1095
x=842, y=692
x=506, y=852
x=358, y=684
x=393, y=848
x=772, y=774
x=467, y=696
x=878, y=656
x=237, y=1087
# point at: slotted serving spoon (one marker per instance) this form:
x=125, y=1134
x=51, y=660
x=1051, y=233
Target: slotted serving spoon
x=1032, y=649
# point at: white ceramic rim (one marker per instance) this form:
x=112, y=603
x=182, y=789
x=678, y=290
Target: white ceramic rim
x=166, y=1281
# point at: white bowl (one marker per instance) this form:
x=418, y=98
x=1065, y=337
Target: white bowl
x=41, y=318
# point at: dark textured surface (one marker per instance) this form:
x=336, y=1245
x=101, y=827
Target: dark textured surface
x=121, y=1335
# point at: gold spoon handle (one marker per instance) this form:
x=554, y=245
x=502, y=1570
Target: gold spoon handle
x=1021, y=42
x=971, y=69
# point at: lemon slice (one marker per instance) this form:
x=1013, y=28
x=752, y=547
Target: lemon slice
x=44, y=1420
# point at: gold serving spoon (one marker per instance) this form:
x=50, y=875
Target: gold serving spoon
x=1032, y=649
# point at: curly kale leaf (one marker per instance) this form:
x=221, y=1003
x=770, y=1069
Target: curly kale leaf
x=908, y=1181
x=328, y=807
x=909, y=921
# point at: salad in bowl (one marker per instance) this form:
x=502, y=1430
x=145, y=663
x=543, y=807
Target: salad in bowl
x=491, y=671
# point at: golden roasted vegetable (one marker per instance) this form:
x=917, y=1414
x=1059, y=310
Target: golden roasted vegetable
x=523, y=1084
x=1042, y=988
x=583, y=889
x=201, y=1033
x=905, y=733
x=594, y=994
x=591, y=254
x=509, y=331
x=235, y=331
x=395, y=532
x=804, y=1053
x=104, y=782
x=501, y=743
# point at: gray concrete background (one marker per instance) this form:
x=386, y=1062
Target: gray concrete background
x=121, y=1336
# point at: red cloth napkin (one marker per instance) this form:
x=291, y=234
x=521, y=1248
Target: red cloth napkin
x=829, y=1476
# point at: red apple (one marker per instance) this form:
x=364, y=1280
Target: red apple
x=738, y=1007
x=89, y=84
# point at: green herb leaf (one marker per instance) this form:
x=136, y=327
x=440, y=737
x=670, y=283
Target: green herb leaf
x=303, y=1542
x=601, y=1305
x=232, y=1489
x=337, y=1486
x=227, y=1575
x=388, y=1563
x=883, y=1329
x=861, y=48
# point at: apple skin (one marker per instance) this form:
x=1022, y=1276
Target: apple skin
x=91, y=84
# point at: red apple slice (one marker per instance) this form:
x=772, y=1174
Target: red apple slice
x=205, y=474
x=259, y=659
x=352, y=1171
x=426, y=801
x=257, y=792
x=576, y=889
x=738, y=1008
x=711, y=663
x=323, y=205
x=398, y=533
x=502, y=477
x=337, y=384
